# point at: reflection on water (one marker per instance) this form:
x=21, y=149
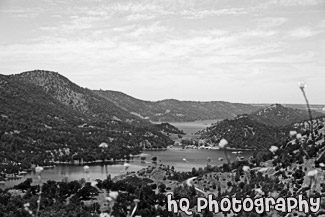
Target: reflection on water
x=194, y=158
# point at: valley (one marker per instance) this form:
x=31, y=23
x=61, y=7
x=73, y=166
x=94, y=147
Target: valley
x=94, y=142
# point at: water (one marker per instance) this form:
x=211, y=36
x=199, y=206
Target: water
x=173, y=157
x=193, y=127
x=194, y=157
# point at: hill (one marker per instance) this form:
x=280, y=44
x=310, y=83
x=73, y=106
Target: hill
x=258, y=130
x=245, y=133
x=53, y=120
x=171, y=110
x=116, y=105
x=77, y=98
x=279, y=115
x=314, y=107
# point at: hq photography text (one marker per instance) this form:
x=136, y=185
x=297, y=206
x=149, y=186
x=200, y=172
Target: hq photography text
x=259, y=205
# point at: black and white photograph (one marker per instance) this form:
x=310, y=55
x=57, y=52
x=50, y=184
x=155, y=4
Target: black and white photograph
x=162, y=108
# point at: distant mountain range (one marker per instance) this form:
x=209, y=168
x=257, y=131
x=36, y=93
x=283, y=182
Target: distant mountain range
x=119, y=106
x=115, y=105
x=171, y=110
x=47, y=100
x=260, y=129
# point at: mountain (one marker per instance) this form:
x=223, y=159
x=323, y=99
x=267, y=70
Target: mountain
x=245, y=133
x=171, y=110
x=314, y=107
x=43, y=111
x=279, y=115
x=260, y=129
x=45, y=118
x=25, y=102
x=75, y=97
x=116, y=105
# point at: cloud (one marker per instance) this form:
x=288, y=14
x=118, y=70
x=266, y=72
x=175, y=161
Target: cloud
x=257, y=34
x=135, y=7
x=132, y=44
x=200, y=14
x=139, y=17
x=145, y=30
x=302, y=32
x=288, y=58
x=22, y=13
x=271, y=22
x=321, y=25
x=288, y=3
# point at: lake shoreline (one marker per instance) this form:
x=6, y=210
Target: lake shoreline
x=181, y=159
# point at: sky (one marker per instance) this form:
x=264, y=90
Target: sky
x=249, y=51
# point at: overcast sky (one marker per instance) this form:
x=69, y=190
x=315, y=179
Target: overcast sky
x=251, y=51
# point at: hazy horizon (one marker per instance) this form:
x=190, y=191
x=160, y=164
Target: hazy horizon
x=216, y=50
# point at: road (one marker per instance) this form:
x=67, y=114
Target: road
x=189, y=183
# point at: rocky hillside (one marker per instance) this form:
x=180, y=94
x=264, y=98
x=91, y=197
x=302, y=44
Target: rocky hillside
x=119, y=106
x=38, y=125
x=27, y=102
x=279, y=115
x=314, y=107
x=75, y=97
x=245, y=133
x=172, y=110
x=260, y=129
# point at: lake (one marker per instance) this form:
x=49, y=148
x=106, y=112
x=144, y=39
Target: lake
x=195, y=126
x=181, y=159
